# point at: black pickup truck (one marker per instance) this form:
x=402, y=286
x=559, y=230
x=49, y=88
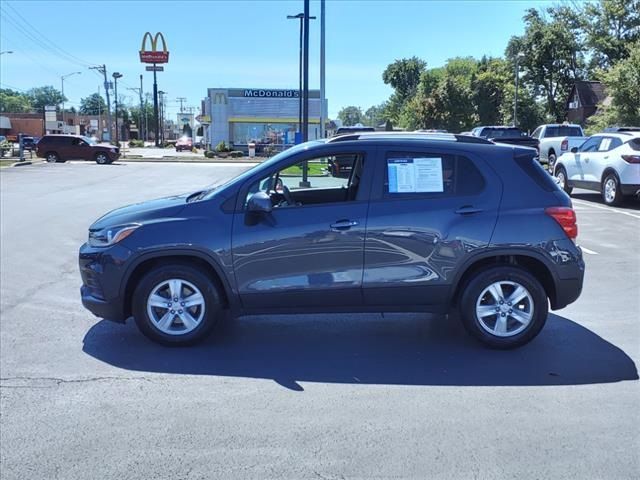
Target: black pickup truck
x=506, y=134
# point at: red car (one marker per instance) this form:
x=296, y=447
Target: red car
x=184, y=143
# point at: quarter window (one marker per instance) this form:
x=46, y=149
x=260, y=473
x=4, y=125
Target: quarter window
x=431, y=175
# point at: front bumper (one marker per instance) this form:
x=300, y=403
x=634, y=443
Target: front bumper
x=102, y=271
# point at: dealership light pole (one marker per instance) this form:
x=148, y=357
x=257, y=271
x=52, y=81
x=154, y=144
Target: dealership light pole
x=161, y=119
x=64, y=123
x=116, y=76
x=515, y=102
x=300, y=16
x=6, y=51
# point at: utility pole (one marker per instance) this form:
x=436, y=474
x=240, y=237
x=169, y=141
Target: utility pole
x=161, y=119
x=138, y=91
x=103, y=71
x=64, y=123
x=155, y=104
x=146, y=115
x=181, y=100
x=300, y=16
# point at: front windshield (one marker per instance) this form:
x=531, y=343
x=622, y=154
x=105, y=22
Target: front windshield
x=90, y=141
x=266, y=165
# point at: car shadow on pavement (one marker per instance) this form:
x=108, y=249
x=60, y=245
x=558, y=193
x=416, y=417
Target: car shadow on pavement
x=630, y=203
x=397, y=349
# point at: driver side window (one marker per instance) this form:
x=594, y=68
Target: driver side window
x=591, y=145
x=314, y=181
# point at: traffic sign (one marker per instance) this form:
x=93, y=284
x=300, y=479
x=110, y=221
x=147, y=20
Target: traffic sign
x=204, y=119
x=153, y=68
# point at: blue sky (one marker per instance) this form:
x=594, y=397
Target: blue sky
x=244, y=44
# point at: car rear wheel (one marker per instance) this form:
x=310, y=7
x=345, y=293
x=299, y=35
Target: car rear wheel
x=504, y=307
x=611, y=192
x=52, y=157
x=176, y=305
x=552, y=161
x=561, y=175
x=102, y=158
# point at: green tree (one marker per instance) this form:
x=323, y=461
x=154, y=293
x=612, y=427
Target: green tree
x=94, y=104
x=611, y=25
x=552, y=57
x=404, y=77
x=14, y=102
x=41, y=96
x=622, y=83
x=350, y=115
x=375, y=115
x=489, y=86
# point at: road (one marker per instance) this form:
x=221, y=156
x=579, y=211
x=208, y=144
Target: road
x=305, y=396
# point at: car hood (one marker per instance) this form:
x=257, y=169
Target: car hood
x=142, y=212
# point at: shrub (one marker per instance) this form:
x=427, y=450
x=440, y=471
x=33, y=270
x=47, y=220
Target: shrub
x=210, y=154
x=222, y=147
x=236, y=154
x=136, y=143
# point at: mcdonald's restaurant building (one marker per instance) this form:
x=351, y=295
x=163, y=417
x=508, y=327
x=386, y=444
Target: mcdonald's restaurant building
x=264, y=116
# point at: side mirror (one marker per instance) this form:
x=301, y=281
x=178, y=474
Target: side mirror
x=574, y=150
x=259, y=202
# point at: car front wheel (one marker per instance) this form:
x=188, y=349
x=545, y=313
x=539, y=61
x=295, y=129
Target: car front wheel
x=561, y=175
x=102, y=159
x=176, y=305
x=504, y=307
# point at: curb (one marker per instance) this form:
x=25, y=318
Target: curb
x=190, y=160
x=20, y=164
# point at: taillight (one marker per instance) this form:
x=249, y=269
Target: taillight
x=566, y=217
x=631, y=158
x=564, y=145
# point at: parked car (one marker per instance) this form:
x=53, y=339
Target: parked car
x=608, y=163
x=29, y=143
x=60, y=148
x=556, y=139
x=423, y=223
x=506, y=134
x=199, y=142
x=184, y=143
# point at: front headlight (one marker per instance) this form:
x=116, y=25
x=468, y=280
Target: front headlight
x=111, y=235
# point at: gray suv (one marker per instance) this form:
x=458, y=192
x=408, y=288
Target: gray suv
x=421, y=222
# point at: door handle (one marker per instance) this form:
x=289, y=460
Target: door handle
x=343, y=224
x=468, y=210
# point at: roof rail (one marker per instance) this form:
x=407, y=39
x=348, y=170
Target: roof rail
x=447, y=137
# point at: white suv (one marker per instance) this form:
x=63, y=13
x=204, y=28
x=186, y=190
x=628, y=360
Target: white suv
x=606, y=162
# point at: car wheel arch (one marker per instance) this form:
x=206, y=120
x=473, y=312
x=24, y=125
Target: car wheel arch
x=606, y=172
x=529, y=261
x=189, y=257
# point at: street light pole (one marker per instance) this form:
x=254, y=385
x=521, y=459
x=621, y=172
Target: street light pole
x=116, y=76
x=300, y=16
x=64, y=123
x=6, y=51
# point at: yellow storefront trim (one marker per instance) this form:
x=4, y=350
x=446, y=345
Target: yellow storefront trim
x=269, y=120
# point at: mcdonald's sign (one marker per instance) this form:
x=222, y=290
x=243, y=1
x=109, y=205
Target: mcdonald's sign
x=154, y=55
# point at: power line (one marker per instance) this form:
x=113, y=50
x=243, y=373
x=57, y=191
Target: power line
x=47, y=41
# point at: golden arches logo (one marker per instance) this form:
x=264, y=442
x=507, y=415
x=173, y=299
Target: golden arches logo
x=220, y=97
x=153, y=55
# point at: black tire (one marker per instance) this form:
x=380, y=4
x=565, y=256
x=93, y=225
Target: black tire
x=52, y=157
x=611, y=181
x=210, y=293
x=551, y=159
x=473, y=295
x=561, y=175
x=102, y=158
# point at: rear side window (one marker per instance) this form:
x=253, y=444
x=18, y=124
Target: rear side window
x=635, y=144
x=430, y=175
x=563, y=131
x=532, y=168
x=609, y=143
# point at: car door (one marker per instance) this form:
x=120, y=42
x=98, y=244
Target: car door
x=577, y=167
x=597, y=160
x=429, y=210
x=308, y=253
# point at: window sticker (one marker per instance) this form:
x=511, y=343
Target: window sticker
x=604, y=144
x=415, y=175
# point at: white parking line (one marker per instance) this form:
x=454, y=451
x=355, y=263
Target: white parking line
x=608, y=209
x=586, y=250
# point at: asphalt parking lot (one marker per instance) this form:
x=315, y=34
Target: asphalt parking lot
x=311, y=396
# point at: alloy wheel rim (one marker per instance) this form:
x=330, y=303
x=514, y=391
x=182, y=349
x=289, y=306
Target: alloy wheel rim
x=175, y=306
x=101, y=158
x=504, y=308
x=610, y=190
x=51, y=158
